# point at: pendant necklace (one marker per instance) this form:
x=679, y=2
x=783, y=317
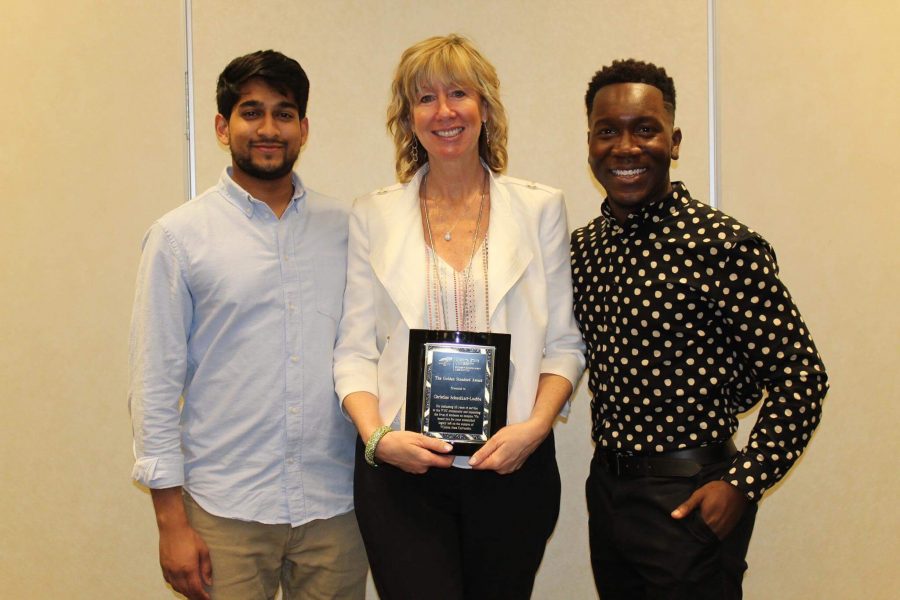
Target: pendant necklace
x=437, y=275
x=448, y=235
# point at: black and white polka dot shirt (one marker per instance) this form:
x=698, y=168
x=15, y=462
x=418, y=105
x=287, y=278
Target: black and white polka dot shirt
x=686, y=325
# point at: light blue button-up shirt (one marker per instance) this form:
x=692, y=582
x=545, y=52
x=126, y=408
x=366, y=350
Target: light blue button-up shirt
x=236, y=312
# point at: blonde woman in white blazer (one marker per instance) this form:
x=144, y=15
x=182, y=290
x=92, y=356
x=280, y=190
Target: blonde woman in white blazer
x=456, y=245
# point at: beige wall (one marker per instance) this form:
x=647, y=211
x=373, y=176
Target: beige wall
x=809, y=126
x=94, y=106
x=92, y=151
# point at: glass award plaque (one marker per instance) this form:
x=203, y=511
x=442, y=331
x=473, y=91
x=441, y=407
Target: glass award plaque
x=457, y=386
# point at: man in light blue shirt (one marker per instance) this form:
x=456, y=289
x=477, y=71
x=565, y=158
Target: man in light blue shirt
x=238, y=299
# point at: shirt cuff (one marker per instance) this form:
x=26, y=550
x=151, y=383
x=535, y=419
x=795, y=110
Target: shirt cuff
x=158, y=473
x=749, y=476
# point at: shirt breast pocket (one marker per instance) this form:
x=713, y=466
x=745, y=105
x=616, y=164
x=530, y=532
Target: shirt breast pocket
x=330, y=278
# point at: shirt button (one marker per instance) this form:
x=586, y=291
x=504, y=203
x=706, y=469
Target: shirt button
x=290, y=461
x=291, y=306
x=294, y=410
x=295, y=358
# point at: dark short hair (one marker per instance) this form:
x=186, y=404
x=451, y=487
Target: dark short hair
x=632, y=71
x=281, y=73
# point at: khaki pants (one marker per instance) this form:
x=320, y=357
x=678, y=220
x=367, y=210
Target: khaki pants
x=323, y=559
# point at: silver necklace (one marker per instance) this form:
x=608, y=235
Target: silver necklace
x=468, y=270
x=448, y=235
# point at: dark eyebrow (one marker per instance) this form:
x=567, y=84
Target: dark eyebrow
x=280, y=106
x=629, y=119
x=600, y=121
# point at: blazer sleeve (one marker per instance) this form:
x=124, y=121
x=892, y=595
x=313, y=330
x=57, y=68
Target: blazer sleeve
x=356, y=353
x=563, y=347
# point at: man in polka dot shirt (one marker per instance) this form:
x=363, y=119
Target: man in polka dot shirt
x=687, y=325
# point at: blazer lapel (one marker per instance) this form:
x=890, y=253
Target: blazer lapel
x=398, y=253
x=509, y=249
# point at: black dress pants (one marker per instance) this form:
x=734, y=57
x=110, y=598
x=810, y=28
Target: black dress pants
x=454, y=534
x=639, y=552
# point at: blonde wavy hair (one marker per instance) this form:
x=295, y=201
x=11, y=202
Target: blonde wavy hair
x=446, y=60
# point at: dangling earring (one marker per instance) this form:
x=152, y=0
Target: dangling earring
x=487, y=135
x=415, y=149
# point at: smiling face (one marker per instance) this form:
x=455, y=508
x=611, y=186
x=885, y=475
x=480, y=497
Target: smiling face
x=631, y=142
x=264, y=132
x=447, y=120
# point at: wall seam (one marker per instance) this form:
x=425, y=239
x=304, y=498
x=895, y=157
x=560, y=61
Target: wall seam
x=713, y=99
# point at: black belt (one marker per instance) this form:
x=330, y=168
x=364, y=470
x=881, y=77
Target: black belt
x=678, y=463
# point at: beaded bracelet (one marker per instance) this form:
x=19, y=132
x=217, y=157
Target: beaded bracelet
x=372, y=444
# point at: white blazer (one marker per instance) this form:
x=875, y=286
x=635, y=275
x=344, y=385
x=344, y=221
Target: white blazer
x=529, y=286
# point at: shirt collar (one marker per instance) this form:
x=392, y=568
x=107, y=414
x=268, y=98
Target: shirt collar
x=242, y=199
x=658, y=208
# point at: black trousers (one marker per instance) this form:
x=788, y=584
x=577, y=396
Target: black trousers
x=454, y=534
x=639, y=552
